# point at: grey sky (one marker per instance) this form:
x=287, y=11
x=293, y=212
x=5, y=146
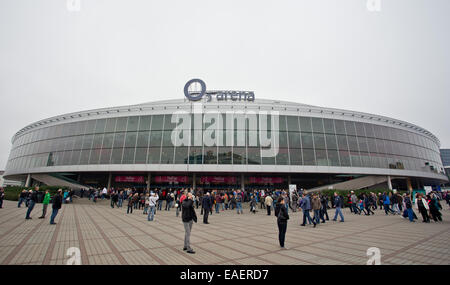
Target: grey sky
x=326, y=53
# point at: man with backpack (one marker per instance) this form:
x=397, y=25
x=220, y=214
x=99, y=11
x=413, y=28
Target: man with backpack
x=188, y=217
x=206, y=205
x=239, y=202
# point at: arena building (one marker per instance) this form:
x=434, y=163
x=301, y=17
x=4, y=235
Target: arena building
x=223, y=139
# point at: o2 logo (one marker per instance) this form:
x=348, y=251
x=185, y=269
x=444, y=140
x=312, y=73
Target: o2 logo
x=375, y=256
x=195, y=96
x=74, y=254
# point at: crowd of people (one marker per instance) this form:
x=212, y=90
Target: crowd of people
x=314, y=206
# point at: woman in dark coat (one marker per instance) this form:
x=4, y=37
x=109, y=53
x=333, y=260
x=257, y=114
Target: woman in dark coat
x=282, y=217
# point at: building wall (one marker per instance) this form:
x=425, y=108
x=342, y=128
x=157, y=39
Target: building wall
x=145, y=138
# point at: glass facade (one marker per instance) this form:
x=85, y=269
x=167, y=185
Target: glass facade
x=150, y=139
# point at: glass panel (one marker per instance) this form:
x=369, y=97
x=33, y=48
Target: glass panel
x=308, y=157
x=119, y=139
x=209, y=155
x=143, y=139
x=282, y=157
x=90, y=127
x=294, y=140
x=181, y=155
x=317, y=125
x=295, y=155
x=319, y=141
x=282, y=139
x=154, y=154
x=167, y=155
x=350, y=127
x=128, y=156
x=155, y=138
x=98, y=139
x=110, y=125
x=196, y=156
x=100, y=126
x=321, y=157
x=116, y=157
x=307, y=140
x=108, y=141
x=87, y=141
x=329, y=126
x=362, y=143
x=369, y=130
x=333, y=158
x=239, y=155
x=254, y=155
x=132, y=124
x=141, y=155
x=331, y=141
x=340, y=127
x=145, y=122
x=121, y=124
x=224, y=155
x=305, y=124
x=130, y=140
x=282, y=122
x=352, y=143
x=344, y=157
x=167, y=139
x=292, y=122
x=360, y=129
x=157, y=122
x=95, y=156
x=84, y=158
x=105, y=156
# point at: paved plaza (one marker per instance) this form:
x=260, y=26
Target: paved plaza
x=110, y=236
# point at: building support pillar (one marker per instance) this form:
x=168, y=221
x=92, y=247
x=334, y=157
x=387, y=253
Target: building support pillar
x=194, y=182
x=109, y=181
x=289, y=180
x=408, y=185
x=28, y=182
x=149, y=176
x=242, y=182
x=389, y=182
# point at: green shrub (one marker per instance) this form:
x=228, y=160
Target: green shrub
x=12, y=192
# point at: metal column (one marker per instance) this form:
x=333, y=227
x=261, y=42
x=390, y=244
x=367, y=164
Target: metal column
x=389, y=182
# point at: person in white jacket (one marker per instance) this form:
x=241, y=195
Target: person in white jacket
x=423, y=208
x=152, y=206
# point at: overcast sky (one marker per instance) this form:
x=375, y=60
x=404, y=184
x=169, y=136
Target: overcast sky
x=394, y=62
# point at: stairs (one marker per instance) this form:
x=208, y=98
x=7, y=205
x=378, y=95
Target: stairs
x=354, y=184
x=56, y=181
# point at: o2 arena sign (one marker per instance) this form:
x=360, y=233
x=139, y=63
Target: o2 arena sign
x=195, y=90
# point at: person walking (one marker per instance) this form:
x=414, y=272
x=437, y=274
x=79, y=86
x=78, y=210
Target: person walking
x=152, y=206
x=354, y=203
x=316, y=205
x=368, y=201
x=253, y=204
x=33, y=200
x=188, y=217
x=305, y=204
x=146, y=204
x=435, y=207
x=338, y=203
x=206, y=205
x=408, y=208
x=239, y=202
x=324, y=209
x=386, y=204
x=22, y=198
x=268, y=202
x=130, y=204
x=422, y=206
x=56, y=205
x=282, y=217
x=45, y=203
